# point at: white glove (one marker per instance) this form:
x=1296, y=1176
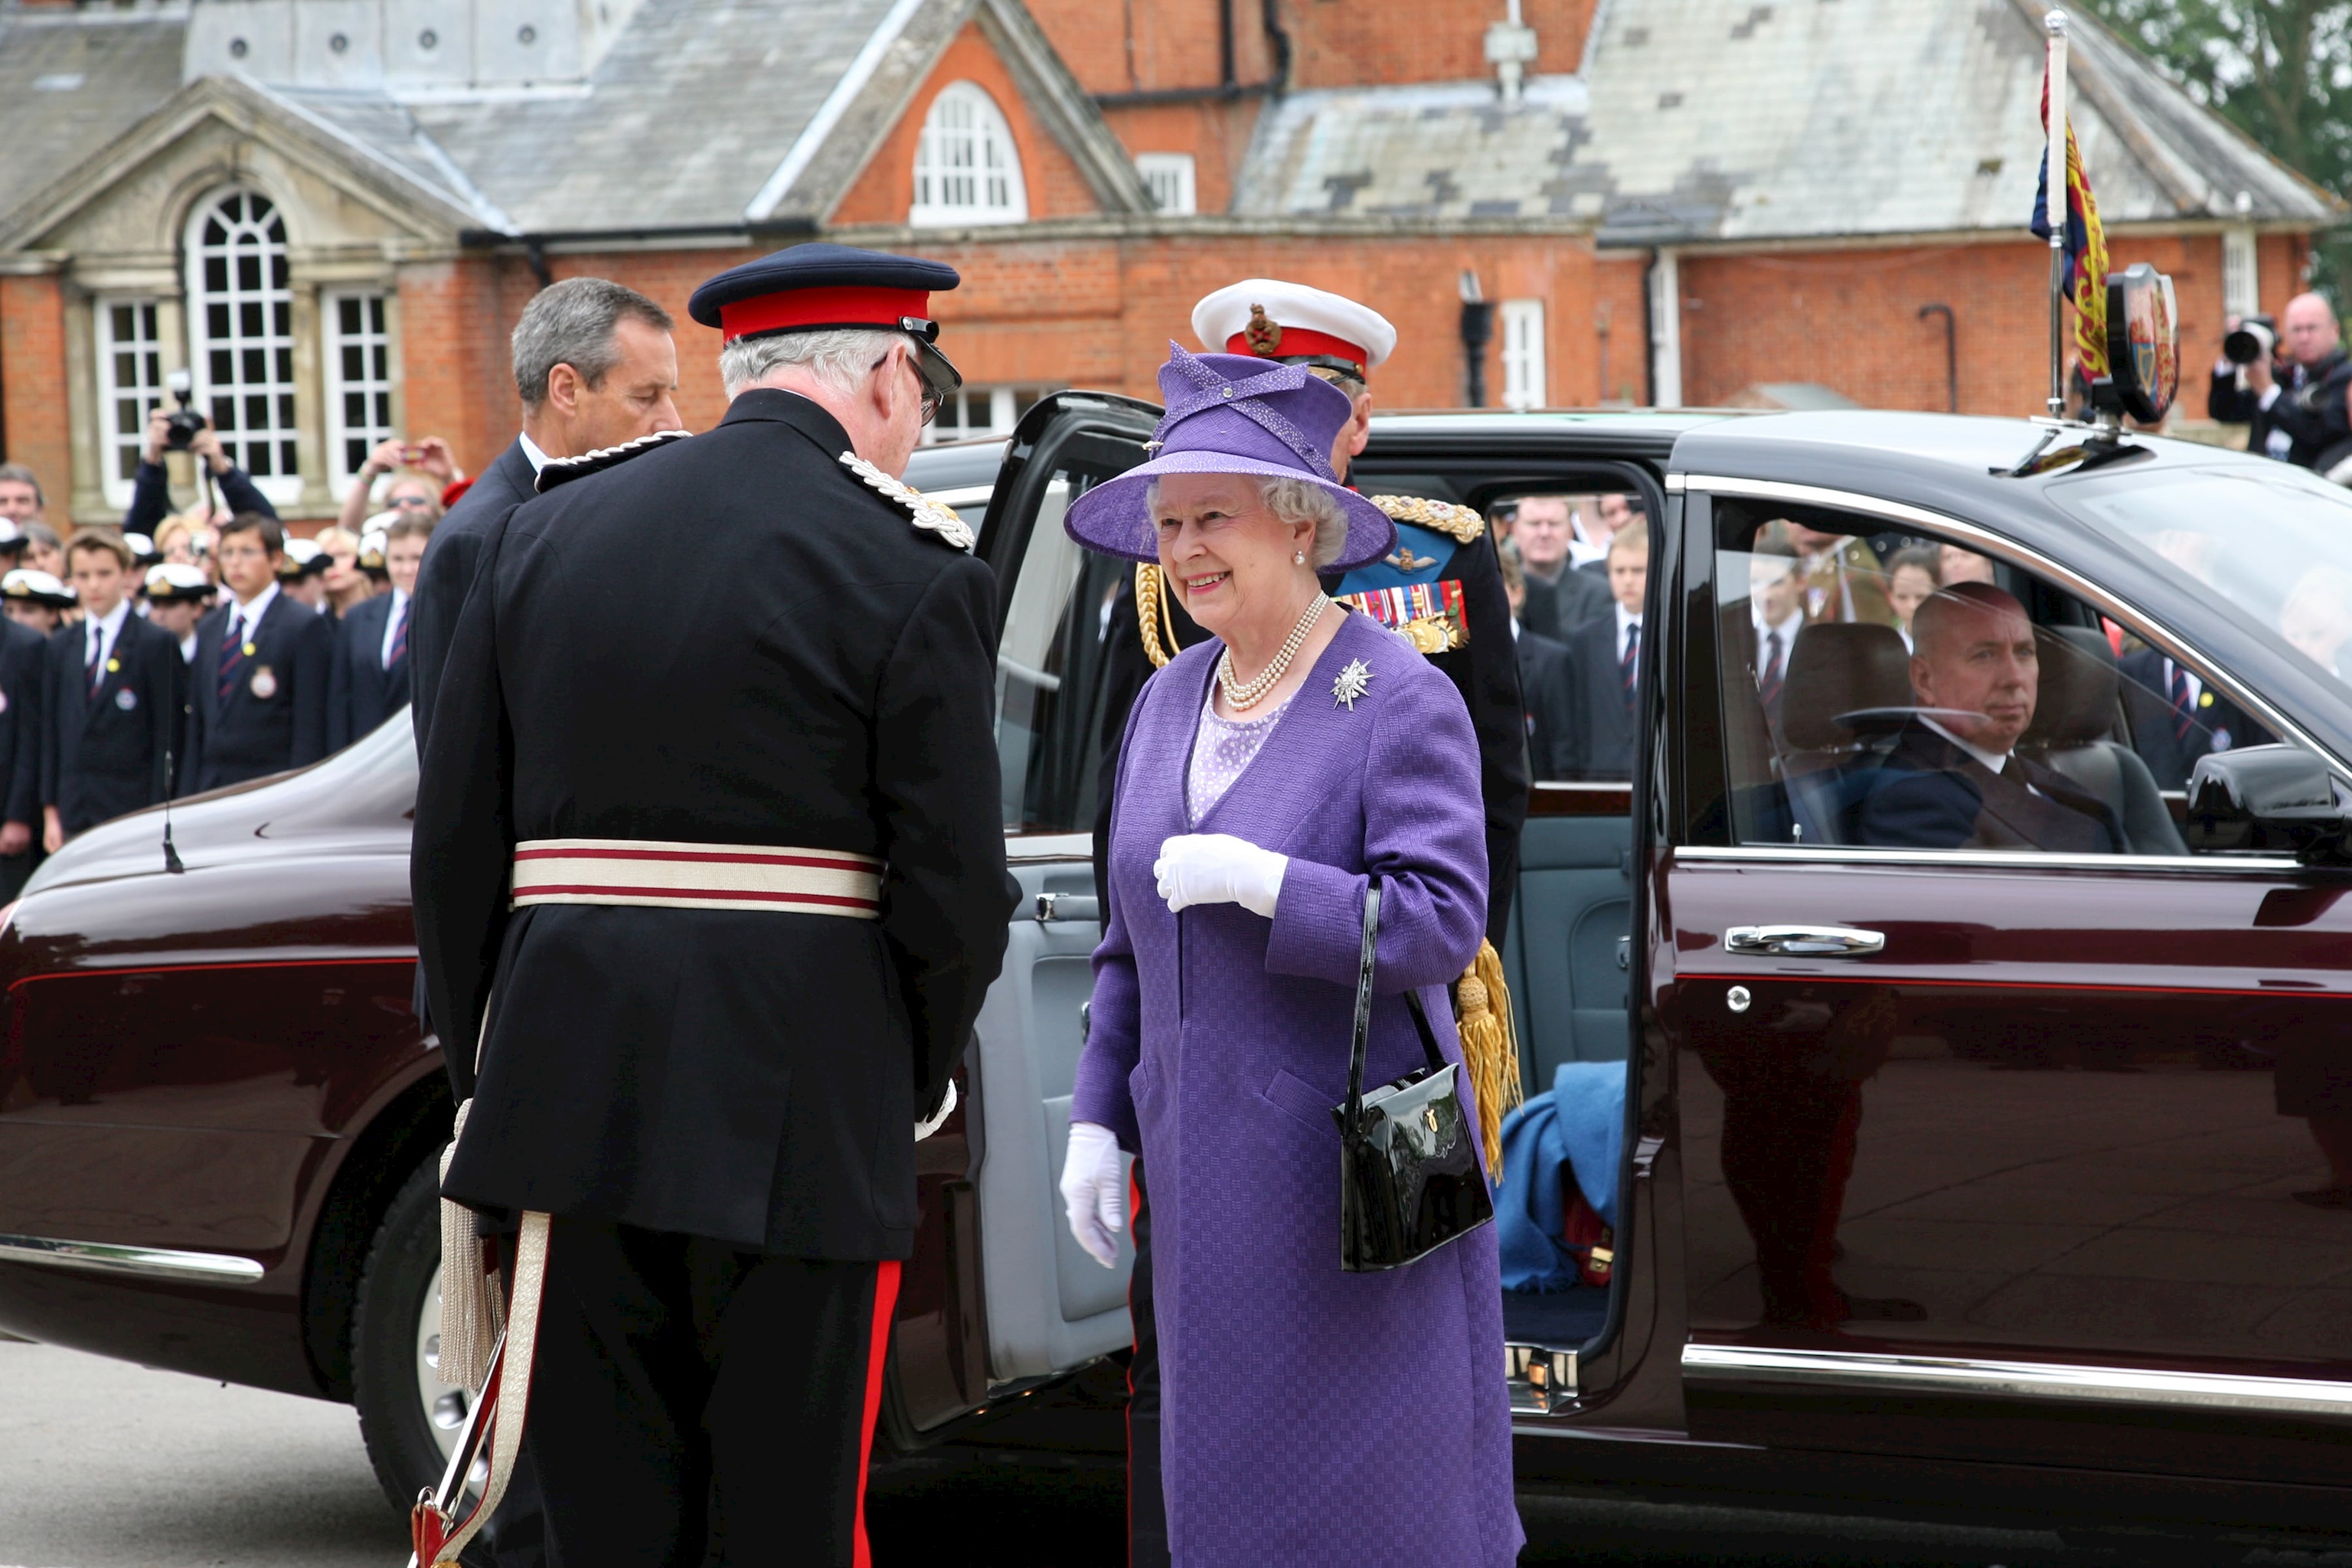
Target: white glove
x=947, y=1108
x=1093, y=1185
x=1219, y=869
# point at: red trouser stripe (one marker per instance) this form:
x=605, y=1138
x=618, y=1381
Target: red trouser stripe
x=885, y=1301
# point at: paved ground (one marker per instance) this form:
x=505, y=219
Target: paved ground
x=105, y=1465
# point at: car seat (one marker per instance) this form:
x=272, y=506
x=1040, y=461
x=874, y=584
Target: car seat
x=2075, y=717
x=1846, y=695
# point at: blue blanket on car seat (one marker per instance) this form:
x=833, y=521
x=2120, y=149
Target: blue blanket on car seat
x=1578, y=1122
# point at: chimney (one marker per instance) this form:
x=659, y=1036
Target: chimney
x=1510, y=49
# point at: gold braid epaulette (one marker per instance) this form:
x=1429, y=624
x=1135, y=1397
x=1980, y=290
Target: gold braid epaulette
x=1463, y=523
x=1154, y=620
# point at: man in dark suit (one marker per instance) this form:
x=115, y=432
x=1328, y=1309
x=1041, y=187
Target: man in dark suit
x=23, y=676
x=257, y=698
x=595, y=366
x=371, y=671
x=1954, y=779
x=2176, y=717
x=1607, y=655
x=1547, y=676
x=1560, y=595
x=111, y=702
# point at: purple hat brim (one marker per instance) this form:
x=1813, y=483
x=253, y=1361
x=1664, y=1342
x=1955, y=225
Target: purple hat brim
x=1114, y=520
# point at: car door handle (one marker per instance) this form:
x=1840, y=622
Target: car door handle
x=1803, y=941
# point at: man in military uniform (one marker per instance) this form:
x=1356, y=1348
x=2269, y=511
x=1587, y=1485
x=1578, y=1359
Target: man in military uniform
x=1442, y=588
x=716, y=852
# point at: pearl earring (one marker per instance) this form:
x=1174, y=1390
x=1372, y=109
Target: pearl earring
x=1298, y=557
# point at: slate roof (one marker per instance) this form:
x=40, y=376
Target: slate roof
x=69, y=84
x=1699, y=120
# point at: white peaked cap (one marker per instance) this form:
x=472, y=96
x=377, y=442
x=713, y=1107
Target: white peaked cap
x=1336, y=322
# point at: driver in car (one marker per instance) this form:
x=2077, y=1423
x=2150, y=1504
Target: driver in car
x=1954, y=779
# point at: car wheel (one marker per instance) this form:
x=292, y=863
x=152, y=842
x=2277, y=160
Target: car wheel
x=409, y=1418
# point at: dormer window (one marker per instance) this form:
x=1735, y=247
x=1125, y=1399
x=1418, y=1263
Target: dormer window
x=966, y=170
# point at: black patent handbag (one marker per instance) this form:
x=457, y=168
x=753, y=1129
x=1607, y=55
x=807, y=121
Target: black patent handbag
x=1409, y=1175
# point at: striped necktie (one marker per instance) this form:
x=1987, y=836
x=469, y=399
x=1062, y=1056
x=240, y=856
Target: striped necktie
x=1629, y=664
x=1767, y=686
x=399, y=649
x=96, y=672
x=2183, y=707
x=232, y=658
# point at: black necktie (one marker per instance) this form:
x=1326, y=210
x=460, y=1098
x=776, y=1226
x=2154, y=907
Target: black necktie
x=1769, y=686
x=1629, y=664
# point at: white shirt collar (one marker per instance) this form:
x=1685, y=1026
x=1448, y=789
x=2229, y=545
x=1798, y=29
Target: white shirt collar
x=107, y=628
x=539, y=459
x=250, y=616
x=391, y=627
x=1993, y=761
x=1788, y=629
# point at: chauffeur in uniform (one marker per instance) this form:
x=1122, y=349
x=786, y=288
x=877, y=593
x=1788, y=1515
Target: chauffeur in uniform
x=719, y=855
x=1441, y=587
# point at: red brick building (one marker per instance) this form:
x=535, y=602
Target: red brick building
x=331, y=211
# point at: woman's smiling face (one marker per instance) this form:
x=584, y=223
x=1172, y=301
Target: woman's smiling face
x=1231, y=560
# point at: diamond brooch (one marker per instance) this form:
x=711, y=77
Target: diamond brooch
x=1352, y=682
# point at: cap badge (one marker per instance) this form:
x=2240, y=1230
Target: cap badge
x=1352, y=682
x=1263, y=335
x=928, y=514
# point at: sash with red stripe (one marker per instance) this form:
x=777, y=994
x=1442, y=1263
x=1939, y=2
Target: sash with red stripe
x=654, y=874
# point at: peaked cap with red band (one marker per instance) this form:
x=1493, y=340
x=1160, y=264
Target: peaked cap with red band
x=814, y=286
x=1269, y=319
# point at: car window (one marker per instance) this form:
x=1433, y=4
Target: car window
x=1576, y=567
x=1050, y=689
x=2272, y=538
x=1901, y=692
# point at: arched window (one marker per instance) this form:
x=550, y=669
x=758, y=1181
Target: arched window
x=241, y=333
x=966, y=167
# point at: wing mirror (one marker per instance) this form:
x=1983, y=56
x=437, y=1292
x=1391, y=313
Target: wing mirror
x=2275, y=798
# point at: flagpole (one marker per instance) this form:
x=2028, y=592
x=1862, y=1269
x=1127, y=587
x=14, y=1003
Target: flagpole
x=2059, y=208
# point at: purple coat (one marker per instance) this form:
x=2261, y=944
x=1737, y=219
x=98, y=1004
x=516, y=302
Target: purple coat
x=1308, y=1416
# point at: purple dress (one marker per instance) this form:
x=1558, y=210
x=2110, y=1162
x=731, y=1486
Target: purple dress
x=1308, y=1416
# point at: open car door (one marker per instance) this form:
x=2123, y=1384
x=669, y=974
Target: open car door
x=1043, y=1306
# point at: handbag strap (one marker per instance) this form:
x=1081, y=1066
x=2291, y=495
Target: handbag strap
x=1361, y=1041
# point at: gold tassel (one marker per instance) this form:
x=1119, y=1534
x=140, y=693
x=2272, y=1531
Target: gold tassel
x=1490, y=1050
x=472, y=1314
x=1153, y=622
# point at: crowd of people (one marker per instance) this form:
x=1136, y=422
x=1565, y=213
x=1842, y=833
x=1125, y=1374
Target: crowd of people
x=197, y=647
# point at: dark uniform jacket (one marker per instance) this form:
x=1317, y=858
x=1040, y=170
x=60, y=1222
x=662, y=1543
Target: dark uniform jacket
x=361, y=692
x=24, y=683
x=242, y=733
x=448, y=570
x=816, y=671
x=106, y=753
x=1548, y=682
x=2215, y=725
x=1485, y=671
x=1602, y=743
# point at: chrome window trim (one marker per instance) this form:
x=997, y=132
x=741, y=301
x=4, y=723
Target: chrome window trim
x=2003, y=859
x=2016, y=554
x=1857, y=1372
x=152, y=1262
x=1028, y=849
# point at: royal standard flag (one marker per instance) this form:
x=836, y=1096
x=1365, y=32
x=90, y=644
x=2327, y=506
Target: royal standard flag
x=2086, y=249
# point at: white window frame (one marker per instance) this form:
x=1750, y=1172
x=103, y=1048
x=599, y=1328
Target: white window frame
x=1171, y=177
x=374, y=384
x=2242, y=275
x=283, y=483
x=1002, y=407
x=967, y=165
x=1523, y=353
x=145, y=391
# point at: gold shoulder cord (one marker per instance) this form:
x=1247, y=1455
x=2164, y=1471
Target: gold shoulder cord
x=1154, y=621
x=1462, y=523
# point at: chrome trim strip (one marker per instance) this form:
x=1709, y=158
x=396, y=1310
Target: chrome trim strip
x=1027, y=849
x=153, y=1262
x=1675, y=483
x=1871, y=1374
x=2017, y=555
x=2017, y=859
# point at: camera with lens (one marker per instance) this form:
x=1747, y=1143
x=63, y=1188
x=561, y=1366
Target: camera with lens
x=2253, y=338
x=185, y=424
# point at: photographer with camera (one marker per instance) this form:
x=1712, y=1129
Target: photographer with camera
x=185, y=430
x=2288, y=386
x=421, y=473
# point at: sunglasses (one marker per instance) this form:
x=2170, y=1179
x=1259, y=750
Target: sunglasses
x=939, y=374
x=419, y=502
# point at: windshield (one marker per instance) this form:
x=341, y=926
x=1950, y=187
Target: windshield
x=2275, y=540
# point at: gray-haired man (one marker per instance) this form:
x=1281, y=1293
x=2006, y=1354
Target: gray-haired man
x=594, y=367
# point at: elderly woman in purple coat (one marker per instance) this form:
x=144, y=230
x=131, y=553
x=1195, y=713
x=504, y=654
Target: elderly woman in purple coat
x=1270, y=776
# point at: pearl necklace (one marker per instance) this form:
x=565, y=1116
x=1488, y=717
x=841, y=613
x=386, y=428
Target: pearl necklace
x=1243, y=696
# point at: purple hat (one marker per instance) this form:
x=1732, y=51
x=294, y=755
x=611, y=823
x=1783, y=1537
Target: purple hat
x=1234, y=414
